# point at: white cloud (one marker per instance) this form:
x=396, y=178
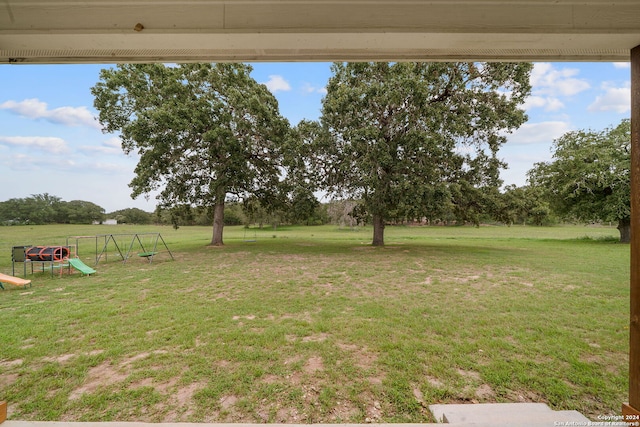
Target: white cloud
x=42, y=143
x=277, y=83
x=18, y=162
x=35, y=109
x=308, y=88
x=622, y=64
x=547, y=80
x=112, y=146
x=60, y=164
x=113, y=142
x=92, y=149
x=41, y=163
x=538, y=133
x=549, y=103
x=617, y=99
x=534, y=102
x=110, y=168
x=529, y=158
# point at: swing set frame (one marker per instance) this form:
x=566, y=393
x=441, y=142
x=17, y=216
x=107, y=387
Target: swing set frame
x=147, y=252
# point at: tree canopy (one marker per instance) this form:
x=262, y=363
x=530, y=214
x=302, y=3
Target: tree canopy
x=526, y=204
x=589, y=176
x=132, y=216
x=202, y=132
x=47, y=209
x=415, y=139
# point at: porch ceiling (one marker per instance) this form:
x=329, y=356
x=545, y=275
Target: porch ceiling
x=108, y=31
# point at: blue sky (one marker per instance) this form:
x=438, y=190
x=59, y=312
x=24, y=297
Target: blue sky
x=51, y=143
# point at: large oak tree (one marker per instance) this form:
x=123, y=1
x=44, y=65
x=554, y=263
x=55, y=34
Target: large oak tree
x=416, y=139
x=589, y=176
x=203, y=132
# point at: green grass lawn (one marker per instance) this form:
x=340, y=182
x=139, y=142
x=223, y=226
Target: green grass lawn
x=312, y=324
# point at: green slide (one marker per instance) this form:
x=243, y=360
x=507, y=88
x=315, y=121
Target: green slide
x=81, y=266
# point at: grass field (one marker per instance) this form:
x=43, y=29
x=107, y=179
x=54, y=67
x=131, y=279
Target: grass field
x=315, y=325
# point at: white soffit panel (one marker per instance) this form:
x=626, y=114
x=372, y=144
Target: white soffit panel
x=107, y=31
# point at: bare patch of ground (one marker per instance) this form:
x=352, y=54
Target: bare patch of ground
x=181, y=398
x=7, y=379
x=485, y=392
x=376, y=380
x=270, y=379
x=344, y=411
x=313, y=365
x=184, y=394
x=417, y=393
x=145, y=382
x=525, y=396
x=224, y=364
x=287, y=416
x=105, y=374
x=227, y=402
x=316, y=337
x=435, y=382
x=59, y=359
x=10, y=363
x=99, y=376
x=373, y=411
x=469, y=374
x=141, y=356
x=363, y=357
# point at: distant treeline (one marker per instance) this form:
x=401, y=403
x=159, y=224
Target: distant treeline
x=513, y=205
x=47, y=209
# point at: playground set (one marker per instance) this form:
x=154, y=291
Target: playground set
x=125, y=245
x=66, y=258
x=49, y=257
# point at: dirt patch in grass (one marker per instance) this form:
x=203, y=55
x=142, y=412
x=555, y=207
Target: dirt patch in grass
x=103, y=375
x=363, y=357
x=373, y=409
x=484, y=392
x=227, y=402
x=287, y=416
x=343, y=412
x=434, y=382
x=525, y=396
x=316, y=337
x=313, y=365
x=417, y=393
x=305, y=317
x=271, y=379
x=223, y=364
x=469, y=374
x=106, y=374
x=10, y=363
x=7, y=379
x=184, y=394
x=59, y=359
x=248, y=317
x=180, y=399
x=142, y=356
x=145, y=382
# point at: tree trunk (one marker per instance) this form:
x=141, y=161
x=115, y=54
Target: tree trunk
x=218, y=223
x=378, y=230
x=624, y=227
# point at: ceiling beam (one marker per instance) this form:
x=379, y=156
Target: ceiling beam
x=316, y=30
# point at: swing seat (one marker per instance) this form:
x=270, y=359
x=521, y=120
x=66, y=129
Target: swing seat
x=147, y=254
